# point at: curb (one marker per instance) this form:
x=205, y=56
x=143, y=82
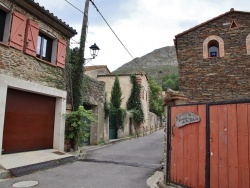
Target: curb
x=80, y=155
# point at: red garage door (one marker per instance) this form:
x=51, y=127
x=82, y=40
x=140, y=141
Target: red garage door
x=29, y=122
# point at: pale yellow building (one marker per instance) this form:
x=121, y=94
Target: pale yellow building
x=102, y=73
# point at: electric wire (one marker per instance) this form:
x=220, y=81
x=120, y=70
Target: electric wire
x=75, y=7
x=135, y=60
x=116, y=35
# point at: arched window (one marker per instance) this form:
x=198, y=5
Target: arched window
x=213, y=46
x=248, y=44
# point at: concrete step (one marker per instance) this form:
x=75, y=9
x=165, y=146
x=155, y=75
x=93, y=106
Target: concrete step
x=4, y=174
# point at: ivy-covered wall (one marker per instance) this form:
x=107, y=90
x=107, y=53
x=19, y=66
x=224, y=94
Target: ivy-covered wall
x=94, y=96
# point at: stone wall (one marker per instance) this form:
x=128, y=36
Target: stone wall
x=155, y=123
x=94, y=96
x=15, y=63
x=93, y=91
x=217, y=78
x=19, y=65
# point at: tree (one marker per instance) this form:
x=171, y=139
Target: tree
x=115, y=104
x=155, y=98
x=170, y=81
x=116, y=95
x=76, y=78
x=134, y=104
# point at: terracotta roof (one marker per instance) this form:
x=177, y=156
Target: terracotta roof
x=215, y=18
x=36, y=5
x=96, y=67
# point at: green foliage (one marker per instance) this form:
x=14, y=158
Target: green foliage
x=77, y=77
x=76, y=126
x=57, y=77
x=170, y=81
x=101, y=142
x=134, y=102
x=155, y=98
x=120, y=117
x=115, y=104
x=116, y=95
x=106, y=107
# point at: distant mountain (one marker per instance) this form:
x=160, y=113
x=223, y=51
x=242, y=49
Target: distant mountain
x=156, y=64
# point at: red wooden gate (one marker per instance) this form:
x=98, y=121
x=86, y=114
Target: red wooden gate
x=214, y=152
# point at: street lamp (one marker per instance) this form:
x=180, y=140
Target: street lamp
x=94, y=50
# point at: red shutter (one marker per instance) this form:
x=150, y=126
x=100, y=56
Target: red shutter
x=17, y=30
x=61, y=53
x=31, y=36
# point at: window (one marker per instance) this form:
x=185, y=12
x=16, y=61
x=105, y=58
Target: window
x=5, y=23
x=2, y=24
x=213, y=46
x=44, y=47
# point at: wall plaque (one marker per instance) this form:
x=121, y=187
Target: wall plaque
x=186, y=118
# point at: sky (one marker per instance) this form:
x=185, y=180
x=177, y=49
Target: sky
x=141, y=25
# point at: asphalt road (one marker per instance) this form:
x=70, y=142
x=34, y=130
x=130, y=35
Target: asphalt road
x=125, y=164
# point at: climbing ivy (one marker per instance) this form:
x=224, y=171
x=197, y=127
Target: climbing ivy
x=134, y=104
x=106, y=107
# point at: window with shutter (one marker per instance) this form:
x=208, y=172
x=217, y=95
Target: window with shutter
x=44, y=47
x=31, y=38
x=17, y=30
x=61, y=53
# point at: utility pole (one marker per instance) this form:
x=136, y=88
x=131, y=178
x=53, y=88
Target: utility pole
x=84, y=30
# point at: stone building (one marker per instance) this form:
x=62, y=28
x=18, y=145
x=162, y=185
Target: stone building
x=32, y=46
x=214, y=58
x=94, y=71
x=94, y=99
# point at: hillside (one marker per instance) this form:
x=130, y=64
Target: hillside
x=156, y=64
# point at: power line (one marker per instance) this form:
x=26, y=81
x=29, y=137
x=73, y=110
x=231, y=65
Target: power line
x=75, y=7
x=116, y=35
x=135, y=60
x=111, y=28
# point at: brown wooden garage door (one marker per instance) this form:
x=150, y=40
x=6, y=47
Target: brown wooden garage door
x=29, y=122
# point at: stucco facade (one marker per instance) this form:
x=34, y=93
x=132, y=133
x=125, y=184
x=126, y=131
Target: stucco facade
x=223, y=74
x=126, y=87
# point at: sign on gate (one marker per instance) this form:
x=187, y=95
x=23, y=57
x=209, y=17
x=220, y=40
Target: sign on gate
x=186, y=118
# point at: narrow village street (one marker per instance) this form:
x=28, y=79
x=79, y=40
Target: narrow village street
x=125, y=164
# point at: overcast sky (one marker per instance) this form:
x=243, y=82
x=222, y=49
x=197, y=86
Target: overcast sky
x=142, y=25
